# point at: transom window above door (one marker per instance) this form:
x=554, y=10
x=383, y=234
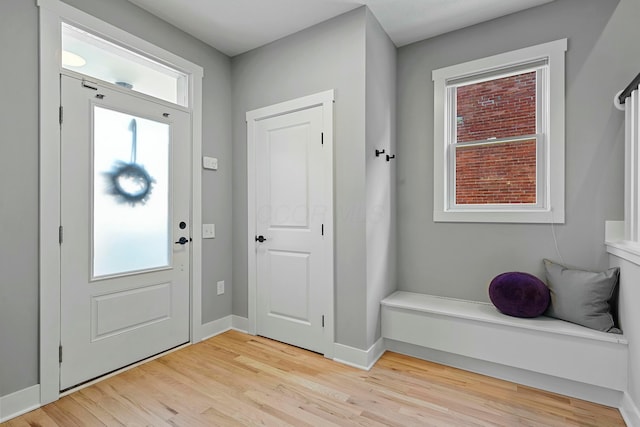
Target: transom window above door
x=93, y=56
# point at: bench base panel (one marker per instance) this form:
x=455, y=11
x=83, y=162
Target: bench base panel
x=578, y=390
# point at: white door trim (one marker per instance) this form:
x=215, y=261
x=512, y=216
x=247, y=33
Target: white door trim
x=325, y=99
x=52, y=13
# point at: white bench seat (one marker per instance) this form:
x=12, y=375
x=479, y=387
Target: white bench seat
x=478, y=330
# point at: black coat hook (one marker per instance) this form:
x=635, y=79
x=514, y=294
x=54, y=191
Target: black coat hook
x=378, y=152
x=393, y=156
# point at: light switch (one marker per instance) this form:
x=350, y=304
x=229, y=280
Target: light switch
x=208, y=231
x=210, y=163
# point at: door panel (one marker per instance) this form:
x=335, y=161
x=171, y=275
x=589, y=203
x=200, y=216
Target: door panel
x=289, y=278
x=125, y=189
x=288, y=175
x=290, y=191
x=124, y=311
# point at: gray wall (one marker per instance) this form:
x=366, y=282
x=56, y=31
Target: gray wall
x=19, y=171
x=459, y=260
x=19, y=195
x=330, y=55
x=380, y=174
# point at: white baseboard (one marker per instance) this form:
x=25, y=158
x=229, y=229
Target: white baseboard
x=591, y=393
x=20, y=402
x=216, y=327
x=240, y=323
x=630, y=412
x=362, y=359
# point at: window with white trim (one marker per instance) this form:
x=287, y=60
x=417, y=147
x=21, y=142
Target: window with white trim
x=88, y=54
x=499, y=137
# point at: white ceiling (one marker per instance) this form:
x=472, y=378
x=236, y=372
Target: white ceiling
x=236, y=26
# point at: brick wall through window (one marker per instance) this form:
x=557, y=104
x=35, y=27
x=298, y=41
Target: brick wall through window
x=500, y=173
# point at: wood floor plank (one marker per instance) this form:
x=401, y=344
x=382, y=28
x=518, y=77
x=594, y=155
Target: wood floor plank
x=235, y=379
x=37, y=418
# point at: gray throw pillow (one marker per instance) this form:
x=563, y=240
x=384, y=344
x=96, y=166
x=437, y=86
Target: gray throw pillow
x=582, y=297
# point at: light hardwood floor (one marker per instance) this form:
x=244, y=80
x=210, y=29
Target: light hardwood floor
x=238, y=379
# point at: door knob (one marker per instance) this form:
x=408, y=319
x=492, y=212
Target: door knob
x=182, y=241
x=260, y=239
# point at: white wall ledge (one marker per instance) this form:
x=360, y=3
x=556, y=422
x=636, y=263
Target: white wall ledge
x=616, y=245
x=626, y=250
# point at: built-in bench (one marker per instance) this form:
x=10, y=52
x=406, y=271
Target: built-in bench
x=478, y=330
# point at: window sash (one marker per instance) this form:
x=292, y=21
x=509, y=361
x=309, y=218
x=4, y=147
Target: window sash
x=541, y=103
x=540, y=176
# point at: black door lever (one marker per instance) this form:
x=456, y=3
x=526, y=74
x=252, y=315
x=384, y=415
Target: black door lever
x=260, y=239
x=182, y=241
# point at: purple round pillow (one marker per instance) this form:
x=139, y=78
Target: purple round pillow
x=519, y=294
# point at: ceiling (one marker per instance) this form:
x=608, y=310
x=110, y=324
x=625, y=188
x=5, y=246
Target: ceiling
x=237, y=26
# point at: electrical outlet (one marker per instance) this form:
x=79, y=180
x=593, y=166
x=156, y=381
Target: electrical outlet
x=208, y=231
x=221, y=287
x=210, y=163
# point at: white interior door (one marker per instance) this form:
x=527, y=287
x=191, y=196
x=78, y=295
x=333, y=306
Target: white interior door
x=125, y=201
x=292, y=177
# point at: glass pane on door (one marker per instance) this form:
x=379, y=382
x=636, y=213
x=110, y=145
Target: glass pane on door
x=131, y=172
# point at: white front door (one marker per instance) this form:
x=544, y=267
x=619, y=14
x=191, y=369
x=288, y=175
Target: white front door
x=293, y=250
x=124, y=208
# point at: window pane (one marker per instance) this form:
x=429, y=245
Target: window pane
x=130, y=224
x=502, y=173
x=499, y=108
x=93, y=56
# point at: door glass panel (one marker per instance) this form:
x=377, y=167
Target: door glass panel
x=131, y=229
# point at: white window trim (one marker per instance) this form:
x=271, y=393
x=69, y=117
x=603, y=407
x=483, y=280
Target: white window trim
x=552, y=210
x=52, y=13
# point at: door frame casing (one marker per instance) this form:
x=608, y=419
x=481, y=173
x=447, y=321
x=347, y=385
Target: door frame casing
x=326, y=100
x=52, y=13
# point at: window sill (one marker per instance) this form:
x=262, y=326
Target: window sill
x=497, y=216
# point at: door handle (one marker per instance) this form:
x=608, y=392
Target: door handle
x=183, y=241
x=260, y=239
